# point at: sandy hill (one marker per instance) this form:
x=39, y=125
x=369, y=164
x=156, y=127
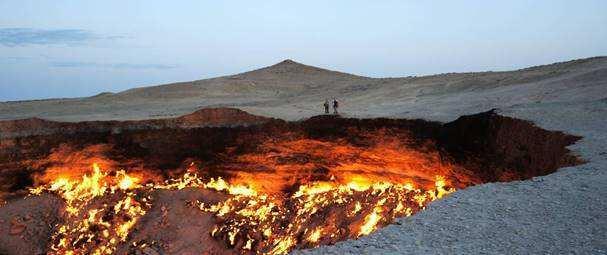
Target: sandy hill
x=292, y=90
x=285, y=79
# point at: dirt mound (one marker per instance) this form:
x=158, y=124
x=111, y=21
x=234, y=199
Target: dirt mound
x=208, y=117
x=215, y=117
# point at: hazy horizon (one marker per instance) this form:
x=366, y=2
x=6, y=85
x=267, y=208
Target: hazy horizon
x=55, y=49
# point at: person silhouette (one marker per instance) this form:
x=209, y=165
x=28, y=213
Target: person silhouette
x=335, y=106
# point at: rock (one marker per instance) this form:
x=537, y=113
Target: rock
x=149, y=251
x=16, y=228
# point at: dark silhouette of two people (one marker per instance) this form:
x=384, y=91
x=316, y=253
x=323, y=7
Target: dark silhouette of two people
x=335, y=106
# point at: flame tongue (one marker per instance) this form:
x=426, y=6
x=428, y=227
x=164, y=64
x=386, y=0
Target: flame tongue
x=103, y=209
x=313, y=210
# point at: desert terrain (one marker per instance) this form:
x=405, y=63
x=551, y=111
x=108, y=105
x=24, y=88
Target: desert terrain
x=563, y=212
x=291, y=91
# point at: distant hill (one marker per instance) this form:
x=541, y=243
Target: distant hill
x=286, y=78
x=292, y=90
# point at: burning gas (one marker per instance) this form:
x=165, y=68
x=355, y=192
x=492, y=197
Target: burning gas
x=103, y=208
x=317, y=192
x=96, y=226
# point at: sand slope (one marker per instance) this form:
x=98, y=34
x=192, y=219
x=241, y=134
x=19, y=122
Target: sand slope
x=290, y=90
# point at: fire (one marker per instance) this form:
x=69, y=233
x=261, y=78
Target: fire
x=384, y=157
x=127, y=182
x=315, y=235
x=243, y=215
x=371, y=221
x=92, y=228
x=332, y=192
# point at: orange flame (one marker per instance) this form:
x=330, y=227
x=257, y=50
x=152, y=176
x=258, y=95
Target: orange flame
x=316, y=192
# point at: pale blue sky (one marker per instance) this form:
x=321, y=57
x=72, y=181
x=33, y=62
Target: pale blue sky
x=75, y=48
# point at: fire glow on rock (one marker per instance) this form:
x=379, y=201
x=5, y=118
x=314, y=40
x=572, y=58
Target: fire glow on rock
x=103, y=208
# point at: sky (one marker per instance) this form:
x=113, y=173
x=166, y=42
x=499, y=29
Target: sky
x=62, y=48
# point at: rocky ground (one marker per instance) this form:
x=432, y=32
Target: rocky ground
x=564, y=212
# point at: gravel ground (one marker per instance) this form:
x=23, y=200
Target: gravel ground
x=561, y=213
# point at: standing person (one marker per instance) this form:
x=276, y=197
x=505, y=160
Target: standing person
x=335, y=106
x=326, y=105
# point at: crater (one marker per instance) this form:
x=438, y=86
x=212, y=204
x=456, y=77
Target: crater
x=225, y=181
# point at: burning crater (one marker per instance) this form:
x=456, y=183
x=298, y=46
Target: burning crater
x=224, y=181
